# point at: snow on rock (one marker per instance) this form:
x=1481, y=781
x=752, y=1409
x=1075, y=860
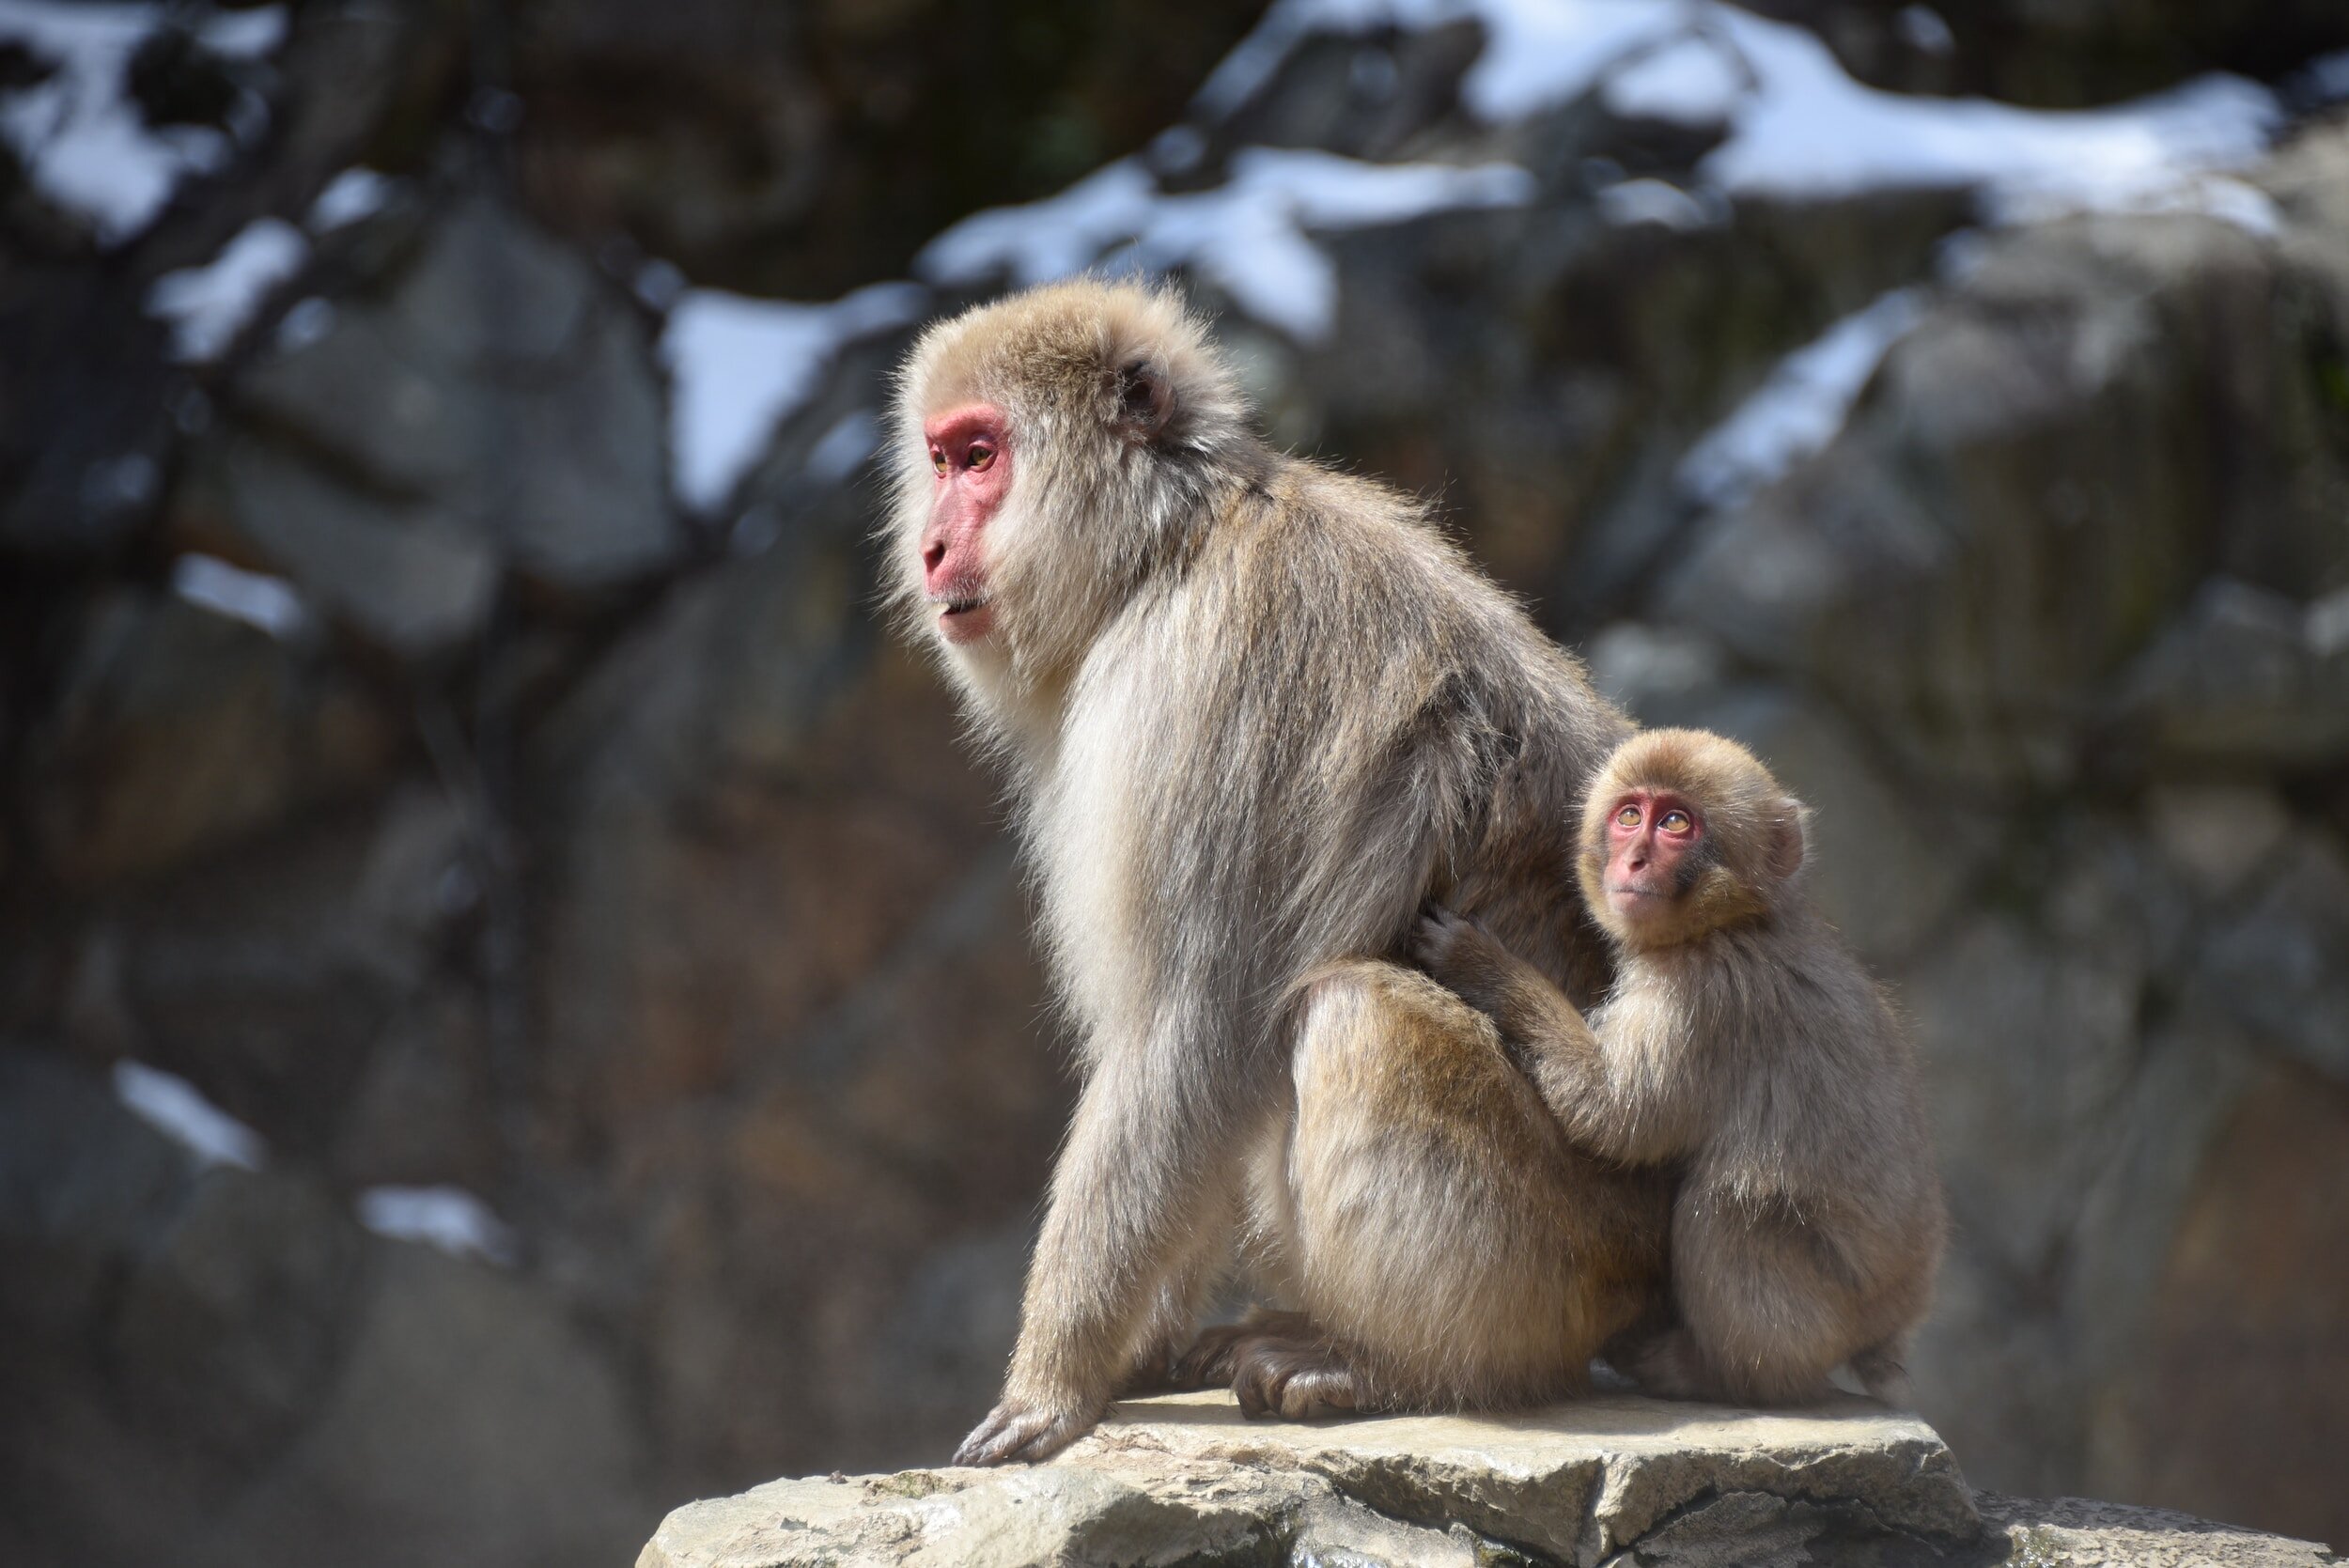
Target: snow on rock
x=1692, y=80
x=1658, y=201
x=1249, y=236
x=357, y=193
x=175, y=1108
x=1805, y=129
x=1800, y=408
x=1923, y=28
x=449, y=1217
x=1797, y=125
x=269, y=603
x=1537, y=53
x=739, y=366
x=208, y=305
x=81, y=137
x=853, y=437
x=1048, y=239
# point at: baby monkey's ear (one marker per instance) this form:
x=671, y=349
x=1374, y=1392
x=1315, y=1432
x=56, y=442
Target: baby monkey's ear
x=1788, y=834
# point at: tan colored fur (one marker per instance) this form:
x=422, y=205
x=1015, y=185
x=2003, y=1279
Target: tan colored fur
x=1744, y=1044
x=1255, y=713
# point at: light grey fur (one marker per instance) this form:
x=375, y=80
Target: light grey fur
x=1256, y=713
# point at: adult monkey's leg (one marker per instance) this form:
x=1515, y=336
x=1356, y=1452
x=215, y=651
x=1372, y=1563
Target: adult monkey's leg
x=1453, y=1249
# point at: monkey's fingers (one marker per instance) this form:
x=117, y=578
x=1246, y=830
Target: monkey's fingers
x=1432, y=938
x=1457, y=952
x=1294, y=1381
x=1208, y=1364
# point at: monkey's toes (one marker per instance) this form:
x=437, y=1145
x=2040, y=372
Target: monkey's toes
x=1021, y=1431
x=1293, y=1382
x=1208, y=1364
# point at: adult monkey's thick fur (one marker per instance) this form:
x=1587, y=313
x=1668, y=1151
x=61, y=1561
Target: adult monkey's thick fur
x=1256, y=713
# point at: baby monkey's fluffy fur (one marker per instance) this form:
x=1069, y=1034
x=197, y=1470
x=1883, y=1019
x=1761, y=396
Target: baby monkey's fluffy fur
x=1743, y=1043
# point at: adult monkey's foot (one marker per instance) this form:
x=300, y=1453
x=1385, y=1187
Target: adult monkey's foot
x=1296, y=1379
x=1213, y=1357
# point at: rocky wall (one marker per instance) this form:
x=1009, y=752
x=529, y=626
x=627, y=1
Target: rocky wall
x=421, y=744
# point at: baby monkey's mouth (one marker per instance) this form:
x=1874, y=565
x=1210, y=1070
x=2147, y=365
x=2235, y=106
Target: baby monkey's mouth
x=962, y=606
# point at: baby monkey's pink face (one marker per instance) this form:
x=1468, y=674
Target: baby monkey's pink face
x=1650, y=837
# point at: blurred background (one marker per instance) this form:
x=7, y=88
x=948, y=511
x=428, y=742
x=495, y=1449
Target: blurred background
x=515, y=1006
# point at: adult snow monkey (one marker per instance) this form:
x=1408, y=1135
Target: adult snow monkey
x=1255, y=713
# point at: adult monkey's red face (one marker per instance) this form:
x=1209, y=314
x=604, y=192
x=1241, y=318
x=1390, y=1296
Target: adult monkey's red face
x=1044, y=467
x=970, y=450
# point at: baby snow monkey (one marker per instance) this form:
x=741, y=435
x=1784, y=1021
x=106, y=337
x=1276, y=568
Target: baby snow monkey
x=1744, y=1044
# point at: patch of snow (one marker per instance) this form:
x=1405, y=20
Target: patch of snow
x=1256, y=60
x=1249, y=236
x=246, y=35
x=1809, y=130
x=844, y=447
x=269, y=603
x=82, y=137
x=1541, y=54
x=1799, y=126
x=1048, y=239
x=177, y=1109
x=356, y=193
x=738, y=367
x=449, y=1217
x=1798, y=410
x=1925, y=30
x=305, y=321
x=208, y=305
x=1693, y=80
x=2232, y=201
x=2327, y=625
x=1655, y=201
x=1538, y=53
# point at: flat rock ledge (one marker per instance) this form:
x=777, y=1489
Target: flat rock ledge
x=1620, y=1480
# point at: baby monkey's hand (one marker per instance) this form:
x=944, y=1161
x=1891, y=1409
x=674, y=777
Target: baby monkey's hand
x=1464, y=957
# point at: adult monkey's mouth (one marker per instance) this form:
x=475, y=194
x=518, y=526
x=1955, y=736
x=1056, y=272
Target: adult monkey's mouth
x=965, y=620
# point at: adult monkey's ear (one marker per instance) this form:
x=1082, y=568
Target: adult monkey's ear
x=1145, y=400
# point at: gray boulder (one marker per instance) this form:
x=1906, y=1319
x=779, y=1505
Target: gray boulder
x=1616, y=1480
x=494, y=410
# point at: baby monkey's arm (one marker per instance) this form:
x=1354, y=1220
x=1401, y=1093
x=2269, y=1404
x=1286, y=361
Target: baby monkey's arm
x=1553, y=1041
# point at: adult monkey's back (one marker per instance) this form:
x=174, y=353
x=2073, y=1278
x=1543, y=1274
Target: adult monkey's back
x=1257, y=712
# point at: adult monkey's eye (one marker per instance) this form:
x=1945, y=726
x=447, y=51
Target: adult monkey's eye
x=1676, y=822
x=1628, y=817
x=938, y=459
x=979, y=458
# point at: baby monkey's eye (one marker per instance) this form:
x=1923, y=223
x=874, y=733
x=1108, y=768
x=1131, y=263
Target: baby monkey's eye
x=979, y=457
x=938, y=459
x=1628, y=818
x=1676, y=822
